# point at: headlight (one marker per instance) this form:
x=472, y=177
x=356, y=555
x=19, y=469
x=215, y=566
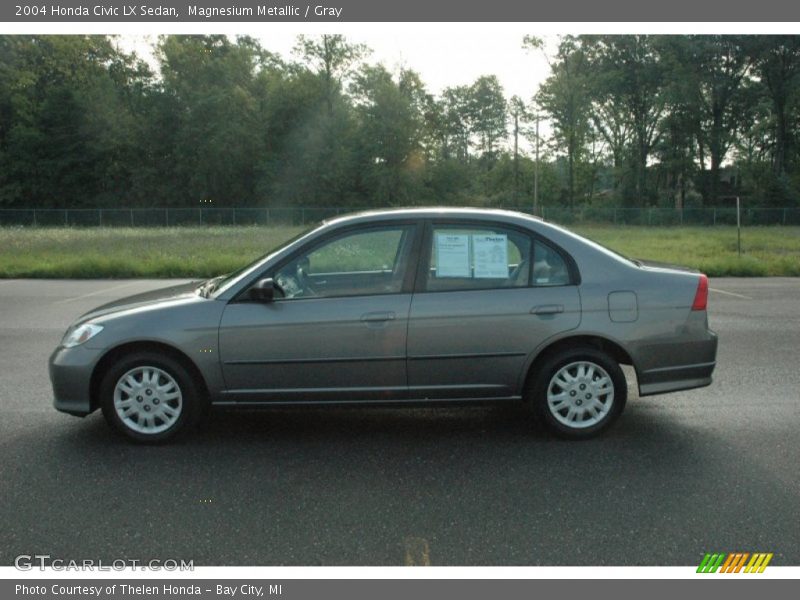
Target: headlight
x=79, y=335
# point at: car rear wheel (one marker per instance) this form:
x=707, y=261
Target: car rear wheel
x=578, y=393
x=148, y=397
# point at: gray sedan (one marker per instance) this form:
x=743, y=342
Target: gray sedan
x=401, y=307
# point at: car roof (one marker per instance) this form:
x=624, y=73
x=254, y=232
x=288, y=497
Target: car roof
x=433, y=212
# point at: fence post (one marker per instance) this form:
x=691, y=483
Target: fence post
x=715, y=216
x=201, y=216
x=738, y=227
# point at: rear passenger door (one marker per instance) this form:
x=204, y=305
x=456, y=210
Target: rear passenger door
x=486, y=295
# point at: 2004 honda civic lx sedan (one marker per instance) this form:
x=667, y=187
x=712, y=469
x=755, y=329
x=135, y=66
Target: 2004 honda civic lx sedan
x=409, y=306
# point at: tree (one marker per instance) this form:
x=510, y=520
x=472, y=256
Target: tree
x=391, y=118
x=712, y=72
x=456, y=120
x=67, y=137
x=210, y=81
x=634, y=118
x=486, y=111
x=565, y=98
x=777, y=65
x=630, y=77
x=612, y=122
x=520, y=115
x=333, y=57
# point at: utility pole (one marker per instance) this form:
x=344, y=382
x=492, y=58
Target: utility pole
x=536, y=170
x=516, y=154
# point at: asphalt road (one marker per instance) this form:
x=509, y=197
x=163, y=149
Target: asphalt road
x=716, y=469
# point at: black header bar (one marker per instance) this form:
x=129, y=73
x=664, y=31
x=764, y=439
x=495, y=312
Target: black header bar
x=244, y=11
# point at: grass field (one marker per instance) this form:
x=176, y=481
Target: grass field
x=207, y=251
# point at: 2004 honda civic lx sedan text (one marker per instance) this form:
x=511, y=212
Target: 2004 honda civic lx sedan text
x=397, y=307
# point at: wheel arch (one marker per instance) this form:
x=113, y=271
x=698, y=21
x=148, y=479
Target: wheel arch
x=118, y=352
x=611, y=347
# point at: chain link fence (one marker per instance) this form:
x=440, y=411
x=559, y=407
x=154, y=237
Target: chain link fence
x=302, y=215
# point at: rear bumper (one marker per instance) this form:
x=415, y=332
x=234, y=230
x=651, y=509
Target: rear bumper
x=70, y=375
x=673, y=378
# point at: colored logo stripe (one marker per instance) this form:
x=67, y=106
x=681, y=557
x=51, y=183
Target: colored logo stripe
x=710, y=563
x=734, y=562
x=758, y=563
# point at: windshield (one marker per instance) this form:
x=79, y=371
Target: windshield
x=217, y=285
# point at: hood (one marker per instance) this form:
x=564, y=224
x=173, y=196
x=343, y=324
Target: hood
x=149, y=300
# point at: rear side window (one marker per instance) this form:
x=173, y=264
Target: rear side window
x=474, y=258
x=549, y=266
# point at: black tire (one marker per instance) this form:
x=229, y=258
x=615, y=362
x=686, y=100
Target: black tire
x=554, y=420
x=189, y=405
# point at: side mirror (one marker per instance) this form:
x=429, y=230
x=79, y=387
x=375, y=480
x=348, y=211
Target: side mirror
x=263, y=290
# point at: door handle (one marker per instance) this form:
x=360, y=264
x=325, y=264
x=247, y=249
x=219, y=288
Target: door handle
x=378, y=317
x=547, y=309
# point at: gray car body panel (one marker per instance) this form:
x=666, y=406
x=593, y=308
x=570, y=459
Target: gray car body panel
x=474, y=344
x=455, y=345
x=315, y=349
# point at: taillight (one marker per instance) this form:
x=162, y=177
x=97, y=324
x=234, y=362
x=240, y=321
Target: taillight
x=701, y=295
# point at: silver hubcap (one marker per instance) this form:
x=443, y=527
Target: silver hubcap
x=580, y=394
x=148, y=400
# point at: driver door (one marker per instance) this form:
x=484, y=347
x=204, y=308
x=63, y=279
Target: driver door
x=338, y=332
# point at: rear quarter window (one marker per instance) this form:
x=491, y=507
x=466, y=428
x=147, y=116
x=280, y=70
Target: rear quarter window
x=549, y=266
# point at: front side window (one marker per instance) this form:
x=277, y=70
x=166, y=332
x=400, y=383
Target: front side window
x=469, y=258
x=365, y=262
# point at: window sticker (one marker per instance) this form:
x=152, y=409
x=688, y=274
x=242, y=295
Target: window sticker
x=452, y=255
x=491, y=256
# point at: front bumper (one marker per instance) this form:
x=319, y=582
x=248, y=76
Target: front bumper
x=71, y=375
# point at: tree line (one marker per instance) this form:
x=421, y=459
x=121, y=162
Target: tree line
x=632, y=120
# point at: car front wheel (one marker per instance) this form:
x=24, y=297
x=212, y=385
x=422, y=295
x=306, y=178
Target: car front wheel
x=579, y=392
x=147, y=397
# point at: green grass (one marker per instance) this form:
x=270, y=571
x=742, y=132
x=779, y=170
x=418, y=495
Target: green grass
x=766, y=251
x=134, y=252
x=207, y=251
